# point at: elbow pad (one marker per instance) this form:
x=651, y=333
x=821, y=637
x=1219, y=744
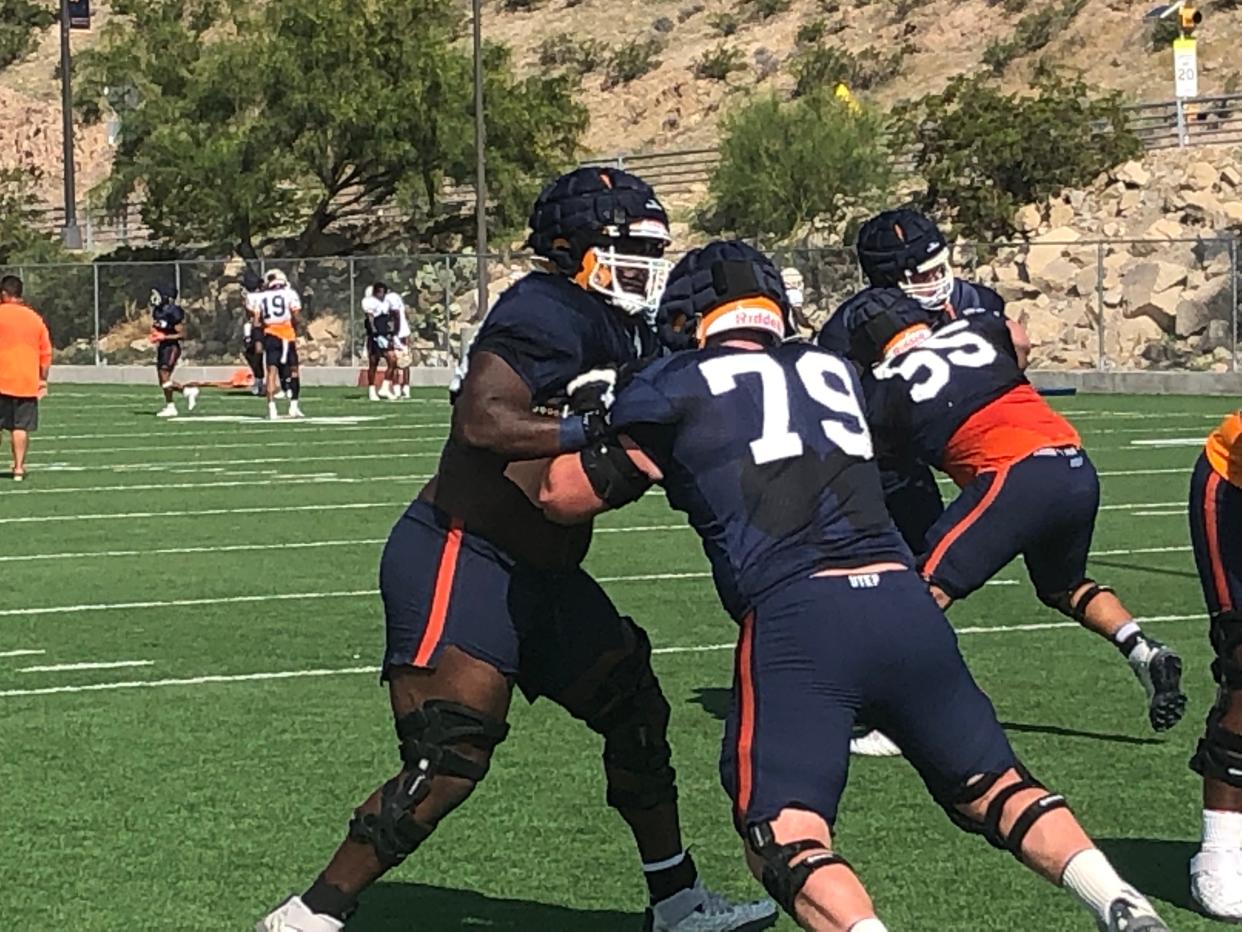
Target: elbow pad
x=612, y=474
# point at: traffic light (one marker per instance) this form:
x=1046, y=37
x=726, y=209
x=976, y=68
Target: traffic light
x=1188, y=18
x=79, y=14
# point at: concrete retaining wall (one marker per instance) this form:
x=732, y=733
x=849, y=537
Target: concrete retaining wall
x=1142, y=383
x=145, y=375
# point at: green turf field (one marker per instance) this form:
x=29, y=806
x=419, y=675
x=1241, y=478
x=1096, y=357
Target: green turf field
x=189, y=709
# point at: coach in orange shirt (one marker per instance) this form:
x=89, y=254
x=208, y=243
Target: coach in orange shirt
x=25, y=356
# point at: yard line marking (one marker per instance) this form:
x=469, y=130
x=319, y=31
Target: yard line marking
x=170, y=551
x=261, y=428
x=1145, y=472
x=1157, y=514
x=1127, y=553
x=22, y=653
x=73, y=667
x=300, y=444
x=1169, y=442
x=1126, y=506
x=113, y=516
x=286, y=479
x=167, y=465
x=374, y=671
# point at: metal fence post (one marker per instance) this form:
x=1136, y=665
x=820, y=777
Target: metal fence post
x=95, y=276
x=448, y=314
x=353, y=300
x=1099, y=304
x=1233, y=288
x=177, y=278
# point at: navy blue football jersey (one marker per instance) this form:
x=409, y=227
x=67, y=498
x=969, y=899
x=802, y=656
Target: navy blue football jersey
x=550, y=330
x=167, y=317
x=917, y=400
x=769, y=455
x=966, y=296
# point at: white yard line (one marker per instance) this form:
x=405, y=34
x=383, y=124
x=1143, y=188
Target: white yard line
x=22, y=653
x=74, y=667
x=285, y=480
x=393, y=456
x=1158, y=514
x=115, y=516
x=171, y=551
x=374, y=671
x=300, y=444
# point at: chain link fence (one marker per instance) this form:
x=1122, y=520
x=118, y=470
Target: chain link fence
x=1119, y=305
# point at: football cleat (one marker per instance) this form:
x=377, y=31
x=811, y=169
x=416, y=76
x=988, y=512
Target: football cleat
x=256, y=389
x=700, y=910
x=1159, y=670
x=272, y=414
x=282, y=395
x=874, y=744
x=294, y=410
x=191, y=398
x=1216, y=884
x=168, y=410
x=1132, y=914
x=293, y=916
x=373, y=393
x=405, y=391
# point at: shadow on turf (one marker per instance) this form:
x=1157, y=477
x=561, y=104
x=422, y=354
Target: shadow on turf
x=397, y=907
x=714, y=700
x=1146, y=568
x=1157, y=866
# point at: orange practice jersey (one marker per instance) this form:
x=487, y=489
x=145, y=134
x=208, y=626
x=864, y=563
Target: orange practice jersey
x=1224, y=449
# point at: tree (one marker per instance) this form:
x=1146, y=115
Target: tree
x=783, y=165
x=983, y=154
x=20, y=22
x=20, y=239
x=243, y=124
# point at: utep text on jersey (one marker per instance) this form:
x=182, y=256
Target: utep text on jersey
x=959, y=401
x=778, y=477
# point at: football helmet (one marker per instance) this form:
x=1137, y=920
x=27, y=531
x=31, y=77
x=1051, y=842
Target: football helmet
x=792, y=279
x=605, y=229
x=162, y=294
x=905, y=249
x=725, y=285
x=882, y=322
x=275, y=279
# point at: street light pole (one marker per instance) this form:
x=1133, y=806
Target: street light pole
x=71, y=234
x=480, y=179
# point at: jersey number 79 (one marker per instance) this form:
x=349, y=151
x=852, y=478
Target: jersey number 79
x=825, y=379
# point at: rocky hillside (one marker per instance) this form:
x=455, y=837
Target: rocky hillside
x=904, y=49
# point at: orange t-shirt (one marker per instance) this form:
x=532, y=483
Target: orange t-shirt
x=1224, y=449
x=1004, y=431
x=25, y=347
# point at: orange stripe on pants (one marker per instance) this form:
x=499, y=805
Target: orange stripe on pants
x=440, y=596
x=938, y=552
x=745, y=715
x=1212, y=530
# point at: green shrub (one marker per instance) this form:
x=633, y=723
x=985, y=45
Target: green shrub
x=723, y=24
x=983, y=153
x=632, y=60
x=810, y=33
x=1033, y=32
x=565, y=50
x=783, y=165
x=822, y=67
x=766, y=9
x=716, y=64
x=20, y=24
x=1162, y=34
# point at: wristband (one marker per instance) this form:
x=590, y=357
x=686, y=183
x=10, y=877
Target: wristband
x=573, y=433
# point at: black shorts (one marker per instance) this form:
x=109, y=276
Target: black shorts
x=1043, y=507
x=19, y=413
x=821, y=653
x=279, y=352
x=443, y=586
x=376, y=351
x=167, y=355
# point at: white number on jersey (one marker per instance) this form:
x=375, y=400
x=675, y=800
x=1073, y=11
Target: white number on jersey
x=277, y=307
x=927, y=371
x=776, y=440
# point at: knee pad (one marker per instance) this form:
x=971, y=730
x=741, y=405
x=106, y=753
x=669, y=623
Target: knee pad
x=990, y=827
x=1226, y=637
x=427, y=738
x=782, y=881
x=630, y=712
x=1065, y=603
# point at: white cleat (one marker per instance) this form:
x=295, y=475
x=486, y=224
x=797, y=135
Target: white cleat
x=282, y=395
x=167, y=411
x=373, y=394
x=257, y=389
x=1216, y=884
x=700, y=910
x=294, y=410
x=293, y=916
x=272, y=414
x=874, y=744
x=1132, y=913
x=191, y=398
x=405, y=391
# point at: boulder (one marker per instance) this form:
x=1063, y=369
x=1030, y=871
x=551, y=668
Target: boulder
x=1060, y=214
x=1054, y=276
x=1085, y=282
x=325, y=327
x=1204, y=203
x=1027, y=219
x=1132, y=174
x=1131, y=200
x=1200, y=176
x=1200, y=307
x=1231, y=213
x=1231, y=176
x=1046, y=247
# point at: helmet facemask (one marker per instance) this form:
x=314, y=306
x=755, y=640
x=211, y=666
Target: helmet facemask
x=931, y=284
x=629, y=271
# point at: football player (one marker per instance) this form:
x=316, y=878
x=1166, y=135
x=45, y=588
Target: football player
x=381, y=326
x=764, y=446
x=954, y=396
x=481, y=591
x=167, y=332
x=401, y=341
x=1216, y=533
x=252, y=331
x=277, y=308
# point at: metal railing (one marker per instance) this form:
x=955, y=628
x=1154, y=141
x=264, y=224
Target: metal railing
x=1116, y=305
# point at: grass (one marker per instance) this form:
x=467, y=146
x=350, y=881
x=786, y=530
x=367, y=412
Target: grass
x=198, y=806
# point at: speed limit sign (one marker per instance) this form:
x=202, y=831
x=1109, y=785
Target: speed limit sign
x=1185, y=68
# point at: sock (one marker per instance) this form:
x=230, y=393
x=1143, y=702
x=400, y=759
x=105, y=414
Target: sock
x=329, y=900
x=384, y=387
x=1094, y=883
x=869, y=925
x=671, y=876
x=1132, y=643
x=1222, y=831
x=295, y=387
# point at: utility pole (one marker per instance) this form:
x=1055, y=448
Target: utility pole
x=480, y=179
x=71, y=233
